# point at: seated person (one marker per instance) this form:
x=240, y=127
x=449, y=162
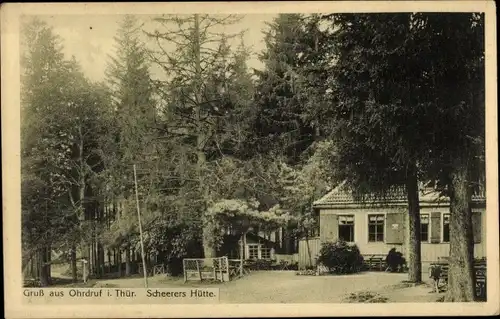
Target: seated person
x=435, y=274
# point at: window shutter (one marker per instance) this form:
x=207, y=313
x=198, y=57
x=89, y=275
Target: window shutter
x=435, y=227
x=394, y=230
x=476, y=227
x=329, y=227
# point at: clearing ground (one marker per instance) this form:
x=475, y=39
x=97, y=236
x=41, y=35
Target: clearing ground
x=287, y=287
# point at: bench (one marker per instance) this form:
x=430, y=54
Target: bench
x=375, y=261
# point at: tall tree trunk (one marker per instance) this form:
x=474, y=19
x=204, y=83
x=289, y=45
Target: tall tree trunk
x=91, y=263
x=49, y=267
x=288, y=242
x=245, y=256
x=93, y=245
x=115, y=261
x=100, y=260
x=73, y=263
x=127, y=261
x=37, y=264
x=414, y=249
x=208, y=248
x=119, y=262
x=44, y=276
x=461, y=269
x=32, y=266
x=108, y=253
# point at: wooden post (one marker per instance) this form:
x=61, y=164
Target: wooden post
x=84, y=266
x=220, y=269
x=140, y=230
x=244, y=244
x=198, y=268
x=184, y=269
x=309, y=250
x=241, y=255
x=215, y=270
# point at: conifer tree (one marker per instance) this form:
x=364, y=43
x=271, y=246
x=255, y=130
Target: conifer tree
x=132, y=140
x=197, y=105
x=62, y=120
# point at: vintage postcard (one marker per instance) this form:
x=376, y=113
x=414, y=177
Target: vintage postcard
x=256, y=159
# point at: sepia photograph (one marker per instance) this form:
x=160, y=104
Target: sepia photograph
x=327, y=156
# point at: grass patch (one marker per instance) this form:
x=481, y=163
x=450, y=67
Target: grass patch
x=366, y=297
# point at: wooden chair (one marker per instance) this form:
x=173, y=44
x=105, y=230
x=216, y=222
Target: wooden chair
x=159, y=269
x=284, y=265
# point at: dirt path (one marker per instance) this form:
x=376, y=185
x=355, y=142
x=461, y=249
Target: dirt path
x=277, y=286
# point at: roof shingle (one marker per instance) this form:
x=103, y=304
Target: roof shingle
x=342, y=195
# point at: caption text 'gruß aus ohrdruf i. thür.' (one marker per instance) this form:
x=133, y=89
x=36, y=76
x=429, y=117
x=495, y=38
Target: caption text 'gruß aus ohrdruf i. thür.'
x=119, y=293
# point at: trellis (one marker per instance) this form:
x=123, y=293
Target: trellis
x=198, y=269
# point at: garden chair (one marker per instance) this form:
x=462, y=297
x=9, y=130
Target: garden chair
x=159, y=269
x=284, y=265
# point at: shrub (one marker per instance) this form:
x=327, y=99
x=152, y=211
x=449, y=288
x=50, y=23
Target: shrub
x=395, y=260
x=306, y=272
x=340, y=258
x=366, y=297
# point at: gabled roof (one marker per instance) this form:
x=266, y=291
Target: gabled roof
x=343, y=196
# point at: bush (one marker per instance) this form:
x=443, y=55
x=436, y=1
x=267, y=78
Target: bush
x=306, y=272
x=366, y=297
x=395, y=260
x=340, y=258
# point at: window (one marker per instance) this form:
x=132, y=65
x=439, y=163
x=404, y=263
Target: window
x=346, y=228
x=424, y=227
x=265, y=253
x=446, y=228
x=376, y=228
x=253, y=251
x=234, y=254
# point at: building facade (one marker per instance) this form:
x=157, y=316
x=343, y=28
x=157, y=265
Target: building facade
x=377, y=225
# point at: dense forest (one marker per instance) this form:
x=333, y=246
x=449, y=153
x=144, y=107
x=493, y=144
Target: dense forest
x=372, y=100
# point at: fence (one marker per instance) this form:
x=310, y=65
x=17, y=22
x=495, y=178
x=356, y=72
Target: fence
x=308, y=252
x=206, y=269
x=479, y=275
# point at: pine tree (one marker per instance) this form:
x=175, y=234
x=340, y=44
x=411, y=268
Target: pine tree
x=62, y=121
x=281, y=93
x=132, y=140
x=194, y=94
x=454, y=85
x=375, y=111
